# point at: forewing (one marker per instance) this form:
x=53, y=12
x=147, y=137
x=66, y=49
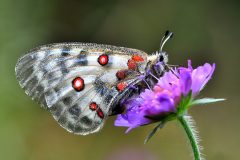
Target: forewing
x=47, y=74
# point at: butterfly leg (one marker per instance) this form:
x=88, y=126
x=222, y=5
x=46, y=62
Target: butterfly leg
x=145, y=77
x=170, y=67
x=159, y=68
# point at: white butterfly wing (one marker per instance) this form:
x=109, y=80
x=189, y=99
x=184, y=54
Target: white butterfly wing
x=47, y=74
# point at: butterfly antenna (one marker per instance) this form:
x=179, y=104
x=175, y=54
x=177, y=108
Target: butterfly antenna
x=165, y=38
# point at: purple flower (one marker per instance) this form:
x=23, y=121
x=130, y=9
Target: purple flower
x=154, y=105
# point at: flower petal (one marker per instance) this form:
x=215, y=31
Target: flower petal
x=185, y=81
x=133, y=116
x=200, y=76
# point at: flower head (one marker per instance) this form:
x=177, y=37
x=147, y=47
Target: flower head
x=154, y=105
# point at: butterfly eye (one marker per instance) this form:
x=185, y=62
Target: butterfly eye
x=161, y=58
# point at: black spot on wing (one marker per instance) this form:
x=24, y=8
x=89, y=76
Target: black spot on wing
x=64, y=69
x=44, y=71
x=64, y=54
x=67, y=100
x=70, y=126
x=56, y=111
x=40, y=88
x=50, y=75
x=109, y=97
x=74, y=110
x=82, y=59
x=102, y=90
x=57, y=89
x=78, y=128
x=86, y=121
x=62, y=119
x=101, y=87
x=37, y=92
x=65, y=51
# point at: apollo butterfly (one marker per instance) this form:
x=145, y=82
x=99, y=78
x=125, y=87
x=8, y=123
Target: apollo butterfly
x=81, y=84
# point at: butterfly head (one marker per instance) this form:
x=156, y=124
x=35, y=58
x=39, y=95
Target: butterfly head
x=159, y=60
x=161, y=57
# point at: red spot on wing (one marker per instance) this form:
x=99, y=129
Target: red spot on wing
x=103, y=59
x=121, y=86
x=137, y=58
x=100, y=113
x=93, y=106
x=121, y=74
x=78, y=84
x=132, y=64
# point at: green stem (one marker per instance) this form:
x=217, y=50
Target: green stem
x=187, y=124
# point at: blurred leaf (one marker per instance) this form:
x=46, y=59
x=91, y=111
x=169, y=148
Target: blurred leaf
x=149, y=136
x=206, y=101
x=169, y=117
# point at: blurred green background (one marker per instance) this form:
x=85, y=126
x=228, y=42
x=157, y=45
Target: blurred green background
x=205, y=31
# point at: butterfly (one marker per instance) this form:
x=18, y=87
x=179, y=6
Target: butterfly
x=81, y=84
